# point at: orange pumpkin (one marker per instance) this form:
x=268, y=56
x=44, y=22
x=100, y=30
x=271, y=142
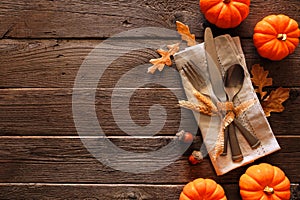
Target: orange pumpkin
x=276, y=36
x=264, y=181
x=225, y=13
x=202, y=189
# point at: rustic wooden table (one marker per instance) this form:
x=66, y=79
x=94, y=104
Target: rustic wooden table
x=43, y=44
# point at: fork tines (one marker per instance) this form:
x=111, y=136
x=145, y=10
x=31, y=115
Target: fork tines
x=193, y=75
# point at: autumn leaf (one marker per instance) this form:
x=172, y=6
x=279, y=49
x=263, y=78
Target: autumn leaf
x=165, y=59
x=260, y=79
x=273, y=103
x=184, y=31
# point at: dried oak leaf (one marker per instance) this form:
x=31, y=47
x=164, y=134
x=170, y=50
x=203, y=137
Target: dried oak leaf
x=260, y=80
x=185, y=33
x=165, y=59
x=273, y=103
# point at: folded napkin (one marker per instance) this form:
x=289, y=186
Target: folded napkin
x=229, y=52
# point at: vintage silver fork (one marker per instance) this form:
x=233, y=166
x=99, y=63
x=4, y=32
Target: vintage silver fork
x=193, y=75
x=197, y=81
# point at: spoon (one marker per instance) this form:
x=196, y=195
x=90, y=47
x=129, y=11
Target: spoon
x=234, y=78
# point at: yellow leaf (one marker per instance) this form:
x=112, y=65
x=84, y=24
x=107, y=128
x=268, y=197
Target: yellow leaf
x=184, y=31
x=273, y=103
x=259, y=79
x=165, y=59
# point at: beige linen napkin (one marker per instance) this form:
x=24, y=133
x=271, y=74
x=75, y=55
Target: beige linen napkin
x=229, y=52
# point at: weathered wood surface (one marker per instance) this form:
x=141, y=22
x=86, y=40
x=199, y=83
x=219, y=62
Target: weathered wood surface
x=44, y=43
x=49, y=111
x=65, y=159
x=104, y=191
x=69, y=19
x=26, y=63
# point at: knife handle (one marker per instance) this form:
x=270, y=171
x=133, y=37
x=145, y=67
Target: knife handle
x=226, y=135
x=236, y=153
x=251, y=139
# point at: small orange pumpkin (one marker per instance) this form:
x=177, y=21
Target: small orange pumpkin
x=202, y=189
x=225, y=13
x=264, y=181
x=276, y=36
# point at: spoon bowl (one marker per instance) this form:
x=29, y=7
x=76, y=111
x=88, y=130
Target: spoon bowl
x=233, y=80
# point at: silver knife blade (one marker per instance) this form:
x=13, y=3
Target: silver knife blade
x=214, y=66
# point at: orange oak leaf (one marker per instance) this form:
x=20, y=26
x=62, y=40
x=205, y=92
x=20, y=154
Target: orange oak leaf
x=260, y=80
x=165, y=59
x=273, y=103
x=184, y=31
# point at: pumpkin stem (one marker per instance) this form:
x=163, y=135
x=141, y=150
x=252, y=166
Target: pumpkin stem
x=281, y=36
x=269, y=190
x=226, y=1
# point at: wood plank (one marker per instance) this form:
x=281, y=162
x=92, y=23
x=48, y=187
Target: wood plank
x=100, y=191
x=26, y=63
x=60, y=19
x=65, y=159
x=49, y=112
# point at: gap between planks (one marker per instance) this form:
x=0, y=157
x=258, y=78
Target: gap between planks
x=109, y=137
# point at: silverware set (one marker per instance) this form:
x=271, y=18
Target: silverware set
x=225, y=90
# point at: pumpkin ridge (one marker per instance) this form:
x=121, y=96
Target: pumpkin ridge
x=238, y=5
x=209, y=6
x=284, y=195
x=289, y=27
x=293, y=34
x=224, y=12
x=248, y=195
x=272, y=26
x=246, y=2
x=216, y=193
x=278, y=176
x=255, y=181
x=217, y=8
x=285, y=182
x=278, y=52
x=235, y=9
x=267, y=27
x=260, y=39
x=267, y=50
x=189, y=190
x=292, y=46
x=270, y=19
x=196, y=193
x=285, y=46
x=211, y=187
x=282, y=22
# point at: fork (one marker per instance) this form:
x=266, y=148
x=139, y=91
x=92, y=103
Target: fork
x=197, y=81
x=193, y=75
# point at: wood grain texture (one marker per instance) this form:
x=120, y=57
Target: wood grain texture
x=100, y=191
x=42, y=47
x=55, y=63
x=66, y=160
x=97, y=19
x=49, y=112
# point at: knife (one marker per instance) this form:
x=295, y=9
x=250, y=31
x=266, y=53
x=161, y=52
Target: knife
x=218, y=88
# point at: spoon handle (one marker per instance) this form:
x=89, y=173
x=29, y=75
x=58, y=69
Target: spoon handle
x=251, y=139
x=236, y=153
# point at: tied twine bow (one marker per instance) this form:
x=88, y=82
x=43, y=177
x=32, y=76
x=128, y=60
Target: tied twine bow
x=207, y=107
